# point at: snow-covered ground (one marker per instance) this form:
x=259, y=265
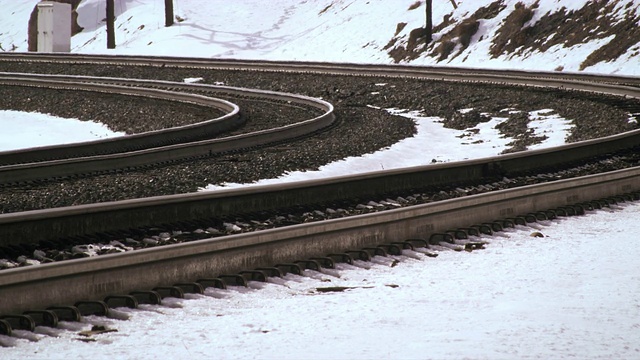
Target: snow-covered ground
x=572, y=293
x=432, y=142
x=318, y=30
x=24, y=130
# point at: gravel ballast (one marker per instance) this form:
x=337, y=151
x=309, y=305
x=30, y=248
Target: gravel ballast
x=360, y=129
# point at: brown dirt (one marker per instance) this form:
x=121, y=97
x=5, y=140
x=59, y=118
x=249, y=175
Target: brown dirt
x=511, y=35
x=460, y=34
x=595, y=20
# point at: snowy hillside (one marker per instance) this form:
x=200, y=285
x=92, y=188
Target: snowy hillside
x=601, y=37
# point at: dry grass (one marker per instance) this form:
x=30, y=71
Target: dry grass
x=511, y=34
x=460, y=34
x=415, y=5
x=466, y=30
x=595, y=20
x=627, y=34
x=325, y=9
x=444, y=49
x=399, y=28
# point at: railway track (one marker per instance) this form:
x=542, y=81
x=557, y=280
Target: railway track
x=407, y=208
x=230, y=119
x=153, y=147
x=462, y=74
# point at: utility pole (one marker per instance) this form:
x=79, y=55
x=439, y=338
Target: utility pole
x=168, y=13
x=429, y=26
x=111, y=19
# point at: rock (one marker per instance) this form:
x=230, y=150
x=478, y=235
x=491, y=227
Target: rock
x=150, y=241
x=39, y=254
x=88, y=250
x=7, y=264
x=96, y=329
x=233, y=228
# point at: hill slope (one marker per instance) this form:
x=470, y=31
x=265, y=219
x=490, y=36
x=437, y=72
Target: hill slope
x=602, y=36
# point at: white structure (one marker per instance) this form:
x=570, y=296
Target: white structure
x=54, y=27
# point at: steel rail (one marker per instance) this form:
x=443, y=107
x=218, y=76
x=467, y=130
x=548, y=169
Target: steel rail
x=49, y=224
x=20, y=173
x=64, y=283
x=84, y=162
x=22, y=226
x=303, y=66
x=95, y=278
x=230, y=119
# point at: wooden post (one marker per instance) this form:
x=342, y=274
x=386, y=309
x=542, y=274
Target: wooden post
x=429, y=25
x=111, y=19
x=168, y=13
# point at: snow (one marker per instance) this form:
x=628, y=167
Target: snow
x=432, y=142
x=22, y=130
x=546, y=123
x=319, y=30
x=572, y=293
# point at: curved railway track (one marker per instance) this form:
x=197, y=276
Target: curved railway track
x=230, y=119
x=153, y=147
x=325, y=68
x=481, y=195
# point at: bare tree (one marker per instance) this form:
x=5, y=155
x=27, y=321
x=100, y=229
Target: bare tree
x=111, y=19
x=168, y=13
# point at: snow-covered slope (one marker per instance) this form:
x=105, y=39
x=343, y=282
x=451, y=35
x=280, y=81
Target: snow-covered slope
x=538, y=35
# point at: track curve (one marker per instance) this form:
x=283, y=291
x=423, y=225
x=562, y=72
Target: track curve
x=149, y=148
x=267, y=247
